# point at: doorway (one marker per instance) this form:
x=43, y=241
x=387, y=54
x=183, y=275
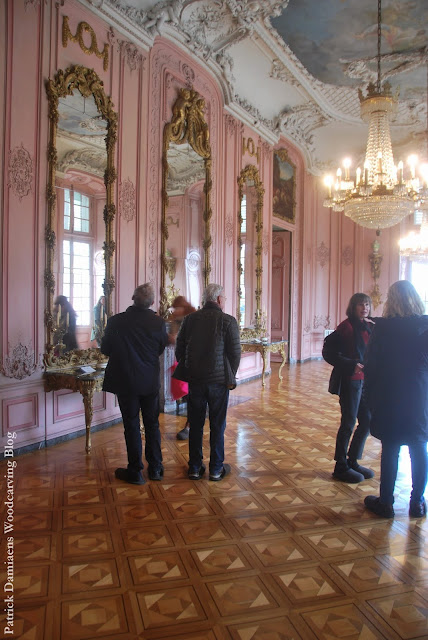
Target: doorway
x=281, y=285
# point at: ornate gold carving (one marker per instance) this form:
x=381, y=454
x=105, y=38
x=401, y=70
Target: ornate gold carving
x=85, y=385
x=375, y=259
x=77, y=358
x=249, y=146
x=63, y=84
x=264, y=350
x=172, y=293
x=187, y=125
x=83, y=27
x=251, y=173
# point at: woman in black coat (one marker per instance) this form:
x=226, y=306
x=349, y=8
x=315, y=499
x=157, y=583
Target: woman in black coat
x=396, y=388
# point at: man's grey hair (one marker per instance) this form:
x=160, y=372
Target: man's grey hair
x=144, y=295
x=211, y=293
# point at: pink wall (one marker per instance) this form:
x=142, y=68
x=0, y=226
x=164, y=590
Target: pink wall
x=329, y=258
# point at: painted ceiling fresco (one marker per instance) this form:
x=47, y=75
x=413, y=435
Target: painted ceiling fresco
x=336, y=40
x=293, y=67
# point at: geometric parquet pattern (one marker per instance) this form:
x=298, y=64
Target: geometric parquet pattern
x=276, y=551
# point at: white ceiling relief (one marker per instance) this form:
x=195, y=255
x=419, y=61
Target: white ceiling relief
x=185, y=168
x=80, y=138
x=294, y=67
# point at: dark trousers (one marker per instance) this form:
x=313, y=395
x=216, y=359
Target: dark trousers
x=216, y=398
x=389, y=468
x=353, y=407
x=130, y=407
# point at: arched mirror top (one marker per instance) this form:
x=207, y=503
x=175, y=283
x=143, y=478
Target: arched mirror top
x=250, y=319
x=186, y=202
x=82, y=139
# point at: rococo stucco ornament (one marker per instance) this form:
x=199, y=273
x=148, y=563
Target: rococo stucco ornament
x=207, y=27
x=322, y=255
x=34, y=3
x=280, y=72
x=321, y=321
x=20, y=171
x=299, y=123
x=228, y=229
x=21, y=364
x=347, y=255
x=127, y=200
x=133, y=56
x=231, y=124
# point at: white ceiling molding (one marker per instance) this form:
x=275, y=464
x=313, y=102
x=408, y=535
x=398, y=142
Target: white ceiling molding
x=86, y=160
x=299, y=123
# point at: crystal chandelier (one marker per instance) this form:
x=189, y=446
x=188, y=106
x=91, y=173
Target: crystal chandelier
x=379, y=196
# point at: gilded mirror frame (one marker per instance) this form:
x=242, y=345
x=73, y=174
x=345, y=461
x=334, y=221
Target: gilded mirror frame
x=64, y=83
x=188, y=125
x=251, y=173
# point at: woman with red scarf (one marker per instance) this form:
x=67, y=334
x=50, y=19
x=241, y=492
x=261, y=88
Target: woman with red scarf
x=345, y=349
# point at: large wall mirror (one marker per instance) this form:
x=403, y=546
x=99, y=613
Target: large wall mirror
x=250, y=225
x=186, y=197
x=79, y=277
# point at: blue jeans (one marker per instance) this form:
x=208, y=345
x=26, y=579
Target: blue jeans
x=389, y=468
x=353, y=407
x=130, y=407
x=216, y=398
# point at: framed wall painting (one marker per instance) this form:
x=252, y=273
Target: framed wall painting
x=284, y=186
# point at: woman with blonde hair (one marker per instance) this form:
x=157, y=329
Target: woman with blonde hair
x=396, y=388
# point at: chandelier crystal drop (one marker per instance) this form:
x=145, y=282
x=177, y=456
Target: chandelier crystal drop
x=379, y=196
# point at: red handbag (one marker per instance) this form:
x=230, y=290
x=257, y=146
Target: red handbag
x=179, y=388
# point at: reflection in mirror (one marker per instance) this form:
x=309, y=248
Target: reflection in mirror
x=186, y=211
x=81, y=198
x=250, y=228
x=184, y=219
x=79, y=278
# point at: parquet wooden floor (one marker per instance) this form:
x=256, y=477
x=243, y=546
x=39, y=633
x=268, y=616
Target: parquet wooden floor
x=276, y=551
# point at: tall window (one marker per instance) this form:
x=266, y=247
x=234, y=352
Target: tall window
x=419, y=279
x=242, y=257
x=77, y=249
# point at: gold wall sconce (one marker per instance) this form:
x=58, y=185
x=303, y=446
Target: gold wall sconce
x=375, y=259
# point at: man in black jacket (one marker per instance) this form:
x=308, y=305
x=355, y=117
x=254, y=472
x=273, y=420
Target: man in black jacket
x=208, y=351
x=134, y=340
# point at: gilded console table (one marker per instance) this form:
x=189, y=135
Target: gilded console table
x=264, y=348
x=85, y=384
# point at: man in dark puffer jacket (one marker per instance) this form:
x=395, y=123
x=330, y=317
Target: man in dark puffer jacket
x=208, y=351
